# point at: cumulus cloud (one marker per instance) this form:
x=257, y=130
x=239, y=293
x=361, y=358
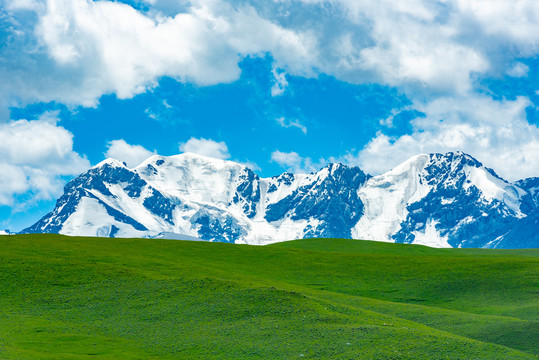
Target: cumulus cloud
x=83, y=49
x=93, y=48
x=426, y=46
x=74, y=51
x=34, y=156
x=132, y=155
x=495, y=132
x=513, y=21
x=411, y=48
x=206, y=147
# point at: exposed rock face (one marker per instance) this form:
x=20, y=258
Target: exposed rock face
x=432, y=199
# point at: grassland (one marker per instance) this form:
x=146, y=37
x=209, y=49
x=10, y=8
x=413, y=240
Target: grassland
x=94, y=298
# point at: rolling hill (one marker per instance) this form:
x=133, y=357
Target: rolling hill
x=100, y=298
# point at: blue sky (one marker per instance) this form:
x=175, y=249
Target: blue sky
x=277, y=85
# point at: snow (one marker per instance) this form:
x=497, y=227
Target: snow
x=207, y=186
x=198, y=178
x=465, y=221
x=110, y=161
x=175, y=236
x=492, y=187
x=494, y=243
x=132, y=207
x=386, y=197
x=430, y=237
x=284, y=190
x=196, y=182
x=267, y=233
x=260, y=207
x=92, y=219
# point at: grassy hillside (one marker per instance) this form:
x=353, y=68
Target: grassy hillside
x=95, y=298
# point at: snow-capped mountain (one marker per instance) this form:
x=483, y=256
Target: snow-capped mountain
x=436, y=200
x=439, y=200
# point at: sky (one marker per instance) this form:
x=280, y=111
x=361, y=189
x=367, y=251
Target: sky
x=278, y=85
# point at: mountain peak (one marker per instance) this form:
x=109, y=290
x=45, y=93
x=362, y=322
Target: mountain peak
x=434, y=199
x=457, y=157
x=333, y=167
x=187, y=159
x=111, y=162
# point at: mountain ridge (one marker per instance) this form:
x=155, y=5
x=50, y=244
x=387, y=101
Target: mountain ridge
x=440, y=200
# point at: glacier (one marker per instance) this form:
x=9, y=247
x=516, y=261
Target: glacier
x=439, y=200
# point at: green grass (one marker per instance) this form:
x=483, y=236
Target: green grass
x=94, y=298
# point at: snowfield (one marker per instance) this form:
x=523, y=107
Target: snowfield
x=438, y=200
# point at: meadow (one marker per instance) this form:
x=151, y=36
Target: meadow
x=99, y=298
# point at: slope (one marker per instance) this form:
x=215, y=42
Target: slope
x=206, y=198
x=440, y=200
x=78, y=298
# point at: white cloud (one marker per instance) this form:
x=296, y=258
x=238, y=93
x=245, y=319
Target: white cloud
x=206, y=147
x=251, y=165
x=417, y=44
x=280, y=82
x=496, y=133
x=518, y=70
x=13, y=180
x=431, y=50
x=102, y=47
x=426, y=46
x=132, y=155
x=34, y=156
x=85, y=49
x=295, y=163
x=24, y=5
x=286, y=123
x=388, y=122
x=287, y=159
x=515, y=21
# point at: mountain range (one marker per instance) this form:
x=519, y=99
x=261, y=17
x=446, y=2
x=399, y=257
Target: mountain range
x=439, y=200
